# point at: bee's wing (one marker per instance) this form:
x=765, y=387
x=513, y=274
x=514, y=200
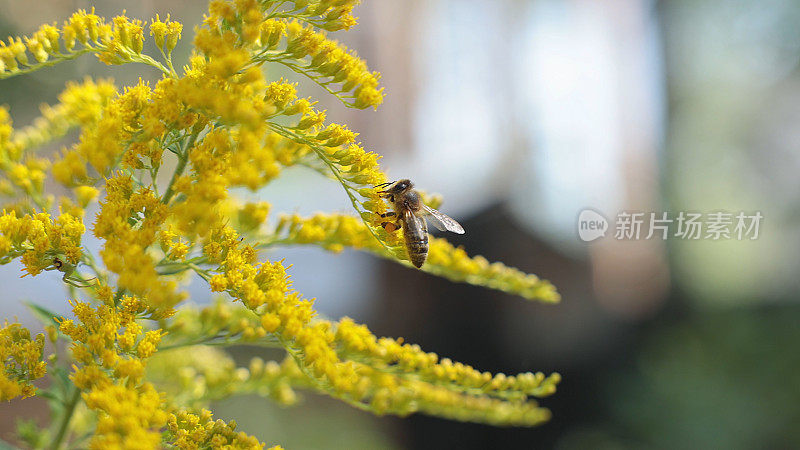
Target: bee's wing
x=414, y=222
x=442, y=222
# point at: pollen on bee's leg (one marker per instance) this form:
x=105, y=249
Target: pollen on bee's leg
x=390, y=227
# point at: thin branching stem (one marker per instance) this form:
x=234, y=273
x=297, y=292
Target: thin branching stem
x=69, y=409
x=183, y=158
x=283, y=131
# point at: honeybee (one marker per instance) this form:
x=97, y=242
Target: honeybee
x=411, y=213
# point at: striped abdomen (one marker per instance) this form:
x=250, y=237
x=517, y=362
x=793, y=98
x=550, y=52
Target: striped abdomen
x=416, y=237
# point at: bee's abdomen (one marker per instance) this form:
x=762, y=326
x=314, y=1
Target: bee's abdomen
x=417, y=247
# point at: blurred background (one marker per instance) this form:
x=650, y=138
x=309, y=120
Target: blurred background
x=521, y=114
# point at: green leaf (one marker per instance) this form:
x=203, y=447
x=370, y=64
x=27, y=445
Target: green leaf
x=43, y=314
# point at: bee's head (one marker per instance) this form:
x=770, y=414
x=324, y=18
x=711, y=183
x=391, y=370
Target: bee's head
x=398, y=187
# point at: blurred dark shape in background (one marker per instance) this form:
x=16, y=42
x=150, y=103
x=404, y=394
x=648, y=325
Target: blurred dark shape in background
x=522, y=113
x=675, y=380
x=497, y=332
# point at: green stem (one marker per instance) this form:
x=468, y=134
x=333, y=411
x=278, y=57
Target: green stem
x=305, y=72
x=145, y=59
x=200, y=271
x=48, y=63
x=317, y=383
x=92, y=263
x=220, y=341
x=168, y=59
x=182, y=160
x=69, y=409
x=140, y=58
x=322, y=156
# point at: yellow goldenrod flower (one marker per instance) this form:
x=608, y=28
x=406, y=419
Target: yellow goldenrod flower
x=264, y=289
x=334, y=232
x=85, y=194
x=22, y=361
x=166, y=161
x=127, y=417
x=188, y=430
x=79, y=104
x=114, y=43
x=125, y=42
x=110, y=345
x=166, y=34
x=43, y=243
x=252, y=215
x=310, y=52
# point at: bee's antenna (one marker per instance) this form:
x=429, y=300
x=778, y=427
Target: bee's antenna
x=383, y=184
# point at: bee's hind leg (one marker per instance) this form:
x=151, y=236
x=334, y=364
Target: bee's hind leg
x=391, y=227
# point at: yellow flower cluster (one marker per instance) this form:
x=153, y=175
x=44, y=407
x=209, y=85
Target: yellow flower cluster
x=252, y=215
x=325, y=61
x=390, y=377
x=217, y=126
x=196, y=375
x=127, y=417
x=22, y=361
x=356, y=169
x=351, y=161
x=288, y=152
x=356, y=340
x=189, y=431
x=102, y=145
x=265, y=288
x=335, y=232
x=134, y=129
x=41, y=45
x=88, y=29
x=172, y=245
x=29, y=175
x=270, y=34
x=79, y=104
x=109, y=338
x=129, y=222
x=43, y=243
x=454, y=264
x=126, y=41
x=215, y=88
x=165, y=33
x=110, y=348
x=330, y=15
x=220, y=160
x=374, y=378
x=215, y=85
x=118, y=42
x=22, y=173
